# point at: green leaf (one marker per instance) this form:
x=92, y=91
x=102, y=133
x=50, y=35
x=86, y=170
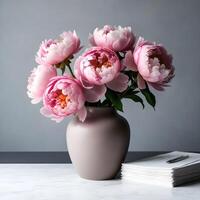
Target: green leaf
x=135, y=98
x=132, y=78
x=130, y=91
x=149, y=97
x=106, y=102
x=67, y=62
x=114, y=99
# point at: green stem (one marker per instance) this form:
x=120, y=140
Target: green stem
x=70, y=69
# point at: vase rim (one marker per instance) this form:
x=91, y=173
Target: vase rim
x=100, y=110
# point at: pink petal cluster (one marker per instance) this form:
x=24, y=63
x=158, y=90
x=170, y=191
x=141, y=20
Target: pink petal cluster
x=63, y=96
x=38, y=81
x=55, y=51
x=95, y=68
x=152, y=62
x=100, y=68
x=114, y=38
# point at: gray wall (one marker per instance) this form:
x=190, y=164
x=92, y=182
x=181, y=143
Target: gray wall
x=23, y=24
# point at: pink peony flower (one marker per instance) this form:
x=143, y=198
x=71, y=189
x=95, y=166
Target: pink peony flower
x=63, y=97
x=55, y=51
x=97, y=68
x=152, y=62
x=114, y=38
x=38, y=81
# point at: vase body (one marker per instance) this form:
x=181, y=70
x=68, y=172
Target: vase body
x=98, y=146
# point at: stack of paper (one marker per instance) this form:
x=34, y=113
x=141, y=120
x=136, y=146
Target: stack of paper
x=170, y=169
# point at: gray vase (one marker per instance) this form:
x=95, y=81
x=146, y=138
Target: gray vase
x=98, y=146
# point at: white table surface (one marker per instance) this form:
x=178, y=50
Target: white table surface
x=60, y=182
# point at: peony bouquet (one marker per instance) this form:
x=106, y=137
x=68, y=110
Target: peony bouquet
x=116, y=66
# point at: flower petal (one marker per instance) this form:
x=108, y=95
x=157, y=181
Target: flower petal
x=82, y=113
x=116, y=38
x=35, y=101
x=45, y=111
x=48, y=113
x=158, y=87
x=91, y=40
x=95, y=94
x=128, y=61
x=119, y=84
x=140, y=82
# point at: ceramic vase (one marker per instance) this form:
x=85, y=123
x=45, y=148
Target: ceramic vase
x=98, y=146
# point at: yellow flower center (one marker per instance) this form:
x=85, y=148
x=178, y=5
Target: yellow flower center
x=62, y=99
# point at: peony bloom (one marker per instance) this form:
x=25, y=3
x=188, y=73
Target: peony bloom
x=38, y=80
x=114, y=38
x=63, y=97
x=152, y=62
x=97, y=68
x=55, y=51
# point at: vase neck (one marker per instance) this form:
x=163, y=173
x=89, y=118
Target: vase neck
x=99, y=111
